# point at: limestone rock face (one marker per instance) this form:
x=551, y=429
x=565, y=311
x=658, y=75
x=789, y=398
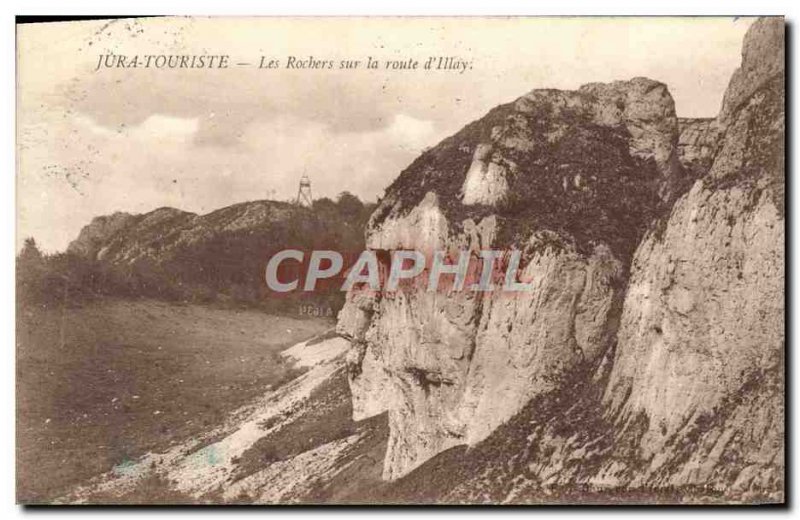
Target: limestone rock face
x=692, y=396
x=762, y=59
x=646, y=109
x=649, y=354
x=164, y=232
x=570, y=179
x=698, y=144
x=486, y=181
x=122, y=237
x=174, y=254
x=93, y=236
x=701, y=338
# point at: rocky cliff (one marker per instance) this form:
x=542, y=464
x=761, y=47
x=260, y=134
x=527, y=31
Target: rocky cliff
x=220, y=255
x=160, y=234
x=98, y=232
x=648, y=355
x=701, y=341
x=572, y=180
x=698, y=143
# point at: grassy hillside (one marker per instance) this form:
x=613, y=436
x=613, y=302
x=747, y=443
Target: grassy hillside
x=100, y=384
x=174, y=255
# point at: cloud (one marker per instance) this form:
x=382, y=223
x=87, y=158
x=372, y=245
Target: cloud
x=410, y=133
x=159, y=127
x=156, y=128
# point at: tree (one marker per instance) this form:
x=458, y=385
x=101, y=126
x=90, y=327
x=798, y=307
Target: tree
x=324, y=205
x=350, y=206
x=30, y=254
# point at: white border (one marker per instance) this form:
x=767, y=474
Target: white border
x=308, y=7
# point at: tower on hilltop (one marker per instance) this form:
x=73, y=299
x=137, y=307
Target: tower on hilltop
x=304, y=197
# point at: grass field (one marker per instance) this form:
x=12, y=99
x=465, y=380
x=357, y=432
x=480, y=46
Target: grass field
x=100, y=384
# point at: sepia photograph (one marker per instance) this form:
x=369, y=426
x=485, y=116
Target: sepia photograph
x=393, y=261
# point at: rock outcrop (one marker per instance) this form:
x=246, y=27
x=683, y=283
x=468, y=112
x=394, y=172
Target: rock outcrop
x=174, y=254
x=702, y=332
x=98, y=232
x=163, y=233
x=649, y=354
x=698, y=143
x=570, y=179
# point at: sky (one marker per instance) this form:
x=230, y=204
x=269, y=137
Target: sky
x=94, y=141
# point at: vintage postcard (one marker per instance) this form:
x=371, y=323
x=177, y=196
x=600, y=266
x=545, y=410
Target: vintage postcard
x=388, y=260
